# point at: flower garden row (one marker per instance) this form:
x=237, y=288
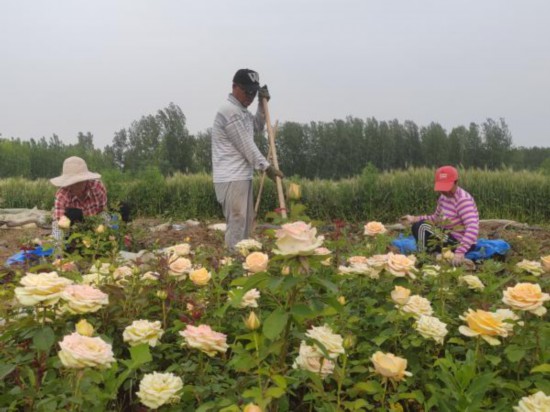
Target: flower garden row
x=292, y=322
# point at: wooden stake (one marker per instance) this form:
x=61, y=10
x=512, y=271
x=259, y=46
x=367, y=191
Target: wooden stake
x=275, y=163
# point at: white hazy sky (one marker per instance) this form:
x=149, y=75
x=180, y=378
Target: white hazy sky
x=72, y=65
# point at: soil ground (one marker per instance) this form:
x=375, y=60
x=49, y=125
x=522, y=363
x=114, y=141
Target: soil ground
x=530, y=242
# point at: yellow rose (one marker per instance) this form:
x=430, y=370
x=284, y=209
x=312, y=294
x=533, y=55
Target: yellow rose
x=294, y=191
x=342, y=300
x=256, y=262
x=390, y=366
x=100, y=229
x=487, y=325
x=84, y=328
x=200, y=277
x=183, y=249
x=374, y=228
x=252, y=408
x=400, y=295
x=64, y=222
x=527, y=297
x=252, y=322
x=285, y=270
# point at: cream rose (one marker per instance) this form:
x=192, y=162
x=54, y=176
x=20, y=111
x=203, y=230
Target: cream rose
x=157, y=389
x=150, y=275
x=294, y=191
x=93, y=279
x=297, y=238
x=545, y=262
x=310, y=359
x=487, y=325
x=400, y=295
x=79, y=352
x=530, y=266
x=400, y=265
x=43, y=288
x=417, y=306
x=332, y=342
x=322, y=251
x=527, y=297
x=252, y=322
x=431, y=327
x=256, y=262
x=200, y=277
x=245, y=246
x=538, y=402
x=179, y=267
x=100, y=229
x=100, y=267
x=472, y=281
x=143, y=331
x=64, y=222
x=250, y=299
x=374, y=228
x=390, y=366
x=122, y=275
x=84, y=299
x=431, y=270
x=202, y=337
x=183, y=249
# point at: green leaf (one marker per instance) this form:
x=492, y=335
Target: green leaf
x=275, y=323
x=370, y=387
x=543, y=368
x=275, y=392
x=279, y=381
x=514, y=353
x=140, y=354
x=301, y=312
x=43, y=339
x=5, y=370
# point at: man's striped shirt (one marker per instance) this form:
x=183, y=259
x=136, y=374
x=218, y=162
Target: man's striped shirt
x=459, y=215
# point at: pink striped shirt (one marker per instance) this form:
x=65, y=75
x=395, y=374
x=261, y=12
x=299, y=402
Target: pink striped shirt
x=459, y=215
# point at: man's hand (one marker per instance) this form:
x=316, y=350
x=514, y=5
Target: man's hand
x=458, y=259
x=273, y=173
x=263, y=93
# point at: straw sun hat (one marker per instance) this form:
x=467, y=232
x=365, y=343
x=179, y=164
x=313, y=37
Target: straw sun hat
x=75, y=170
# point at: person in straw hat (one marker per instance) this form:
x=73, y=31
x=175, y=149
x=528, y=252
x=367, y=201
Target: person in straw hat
x=80, y=193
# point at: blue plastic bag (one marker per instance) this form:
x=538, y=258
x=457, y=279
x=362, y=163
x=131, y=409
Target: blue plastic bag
x=24, y=255
x=484, y=248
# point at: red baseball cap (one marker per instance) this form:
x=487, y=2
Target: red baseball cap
x=445, y=178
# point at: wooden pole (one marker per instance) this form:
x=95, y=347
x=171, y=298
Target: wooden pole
x=275, y=163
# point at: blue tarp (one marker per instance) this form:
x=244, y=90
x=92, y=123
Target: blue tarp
x=25, y=255
x=484, y=248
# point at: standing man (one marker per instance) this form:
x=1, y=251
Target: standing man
x=235, y=156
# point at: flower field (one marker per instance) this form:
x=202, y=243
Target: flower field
x=297, y=320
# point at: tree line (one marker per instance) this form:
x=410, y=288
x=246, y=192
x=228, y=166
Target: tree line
x=325, y=150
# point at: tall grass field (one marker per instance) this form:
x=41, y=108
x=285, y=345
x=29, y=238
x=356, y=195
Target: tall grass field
x=504, y=194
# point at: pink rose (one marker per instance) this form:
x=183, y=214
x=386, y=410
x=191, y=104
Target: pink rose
x=202, y=337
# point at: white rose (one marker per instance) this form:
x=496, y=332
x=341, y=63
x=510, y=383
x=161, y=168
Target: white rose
x=43, y=288
x=417, y=306
x=297, y=238
x=431, y=270
x=431, y=328
x=157, y=389
x=250, y=299
x=84, y=299
x=472, y=281
x=256, y=262
x=143, y=331
x=532, y=267
x=79, y=352
x=538, y=402
x=310, y=359
x=332, y=342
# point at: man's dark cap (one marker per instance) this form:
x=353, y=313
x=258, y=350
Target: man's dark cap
x=247, y=78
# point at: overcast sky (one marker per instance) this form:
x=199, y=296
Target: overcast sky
x=69, y=65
